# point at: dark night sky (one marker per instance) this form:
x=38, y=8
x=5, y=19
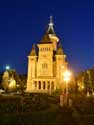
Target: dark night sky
x=23, y=22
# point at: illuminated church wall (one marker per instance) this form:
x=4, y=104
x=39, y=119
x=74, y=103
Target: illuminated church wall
x=45, y=67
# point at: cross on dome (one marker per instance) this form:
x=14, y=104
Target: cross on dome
x=50, y=26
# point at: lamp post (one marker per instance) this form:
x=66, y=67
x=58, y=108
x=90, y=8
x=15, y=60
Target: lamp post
x=66, y=76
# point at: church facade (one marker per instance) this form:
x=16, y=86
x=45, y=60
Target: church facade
x=46, y=63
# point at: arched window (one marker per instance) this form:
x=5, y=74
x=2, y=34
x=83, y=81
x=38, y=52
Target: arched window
x=44, y=66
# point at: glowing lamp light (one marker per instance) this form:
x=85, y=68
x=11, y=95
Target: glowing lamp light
x=82, y=87
x=67, y=75
x=7, y=67
x=66, y=79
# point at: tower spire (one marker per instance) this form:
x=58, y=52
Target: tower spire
x=50, y=27
x=51, y=20
x=33, y=51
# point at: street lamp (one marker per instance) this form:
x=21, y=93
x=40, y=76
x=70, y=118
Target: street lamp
x=7, y=67
x=66, y=76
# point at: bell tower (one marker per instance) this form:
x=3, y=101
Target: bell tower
x=45, y=57
x=32, y=59
x=61, y=64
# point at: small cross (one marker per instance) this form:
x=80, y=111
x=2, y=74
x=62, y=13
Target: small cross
x=51, y=19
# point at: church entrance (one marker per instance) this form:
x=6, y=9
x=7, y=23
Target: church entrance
x=43, y=86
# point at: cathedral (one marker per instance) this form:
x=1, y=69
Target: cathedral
x=46, y=63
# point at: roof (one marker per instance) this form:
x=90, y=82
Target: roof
x=33, y=51
x=45, y=39
x=50, y=31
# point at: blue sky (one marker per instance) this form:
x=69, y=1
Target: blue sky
x=23, y=22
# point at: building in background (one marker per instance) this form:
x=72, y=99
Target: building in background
x=46, y=63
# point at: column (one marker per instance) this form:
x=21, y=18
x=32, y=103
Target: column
x=50, y=88
x=46, y=84
x=42, y=85
x=37, y=85
x=54, y=85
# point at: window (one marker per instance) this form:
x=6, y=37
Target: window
x=39, y=84
x=44, y=66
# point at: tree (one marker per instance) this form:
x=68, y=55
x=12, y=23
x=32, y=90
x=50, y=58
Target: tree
x=5, y=80
x=1, y=74
x=86, y=82
x=23, y=79
x=92, y=78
